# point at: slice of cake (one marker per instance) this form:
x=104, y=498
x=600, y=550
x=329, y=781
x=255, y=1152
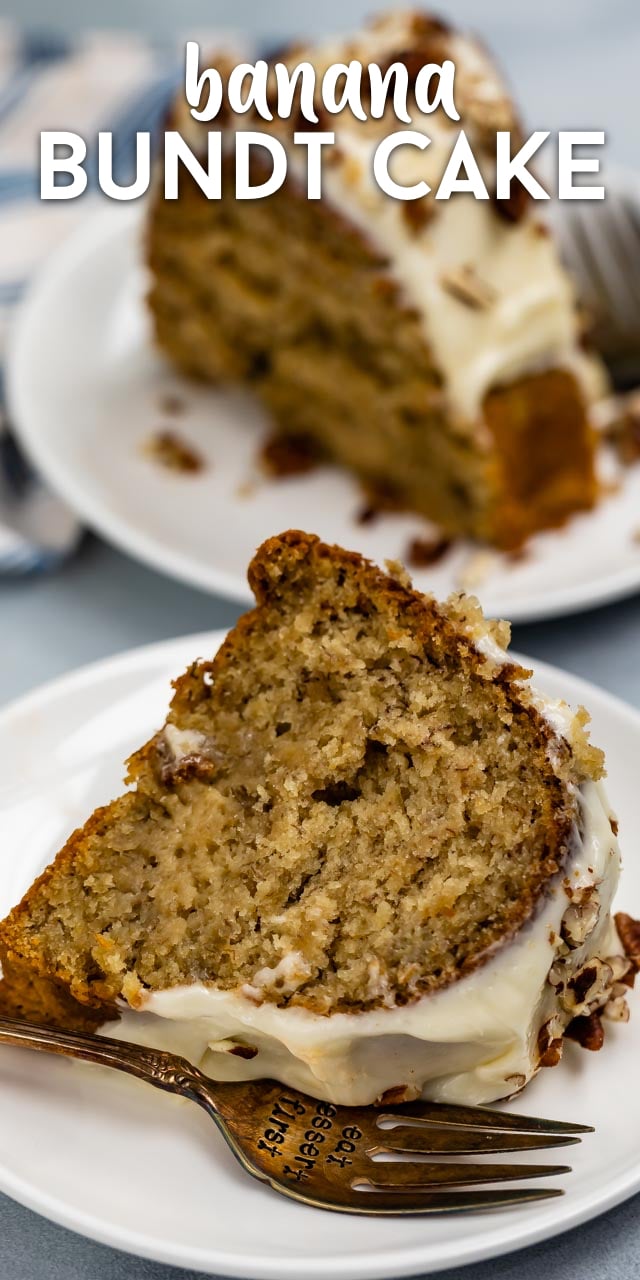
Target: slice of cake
x=433, y=347
x=361, y=855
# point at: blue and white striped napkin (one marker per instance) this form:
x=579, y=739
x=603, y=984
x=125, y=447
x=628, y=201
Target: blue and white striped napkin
x=119, y=82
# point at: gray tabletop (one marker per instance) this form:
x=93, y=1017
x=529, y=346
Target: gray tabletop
x=571, y=67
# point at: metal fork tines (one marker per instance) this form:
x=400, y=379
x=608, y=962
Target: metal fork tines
x=347, y=1159
x=600, y=243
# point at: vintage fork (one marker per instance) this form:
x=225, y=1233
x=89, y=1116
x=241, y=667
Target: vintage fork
x=329, y=1156
x=600, y=243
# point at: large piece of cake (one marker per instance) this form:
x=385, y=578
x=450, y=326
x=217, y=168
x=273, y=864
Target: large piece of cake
x=361, y=855
x=433, y=347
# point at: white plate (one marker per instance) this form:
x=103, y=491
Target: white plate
x=123, y=1164
x=85, y=389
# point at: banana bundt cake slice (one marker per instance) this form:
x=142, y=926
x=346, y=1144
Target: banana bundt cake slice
x=361, y=855
x=431, y=346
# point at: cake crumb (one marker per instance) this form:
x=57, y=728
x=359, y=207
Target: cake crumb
x=367, y=514
x=292, y=455
x=422, y=553
x=620, y=421
x=397, y=570
x=173, y=452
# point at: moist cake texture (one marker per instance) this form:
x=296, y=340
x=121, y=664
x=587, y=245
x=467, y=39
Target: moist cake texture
x=432, y=347
x=357, y=807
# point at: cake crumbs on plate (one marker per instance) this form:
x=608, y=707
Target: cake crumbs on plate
x=289, y=455
x=620, y=423
x=423, y=553
x=173, y=452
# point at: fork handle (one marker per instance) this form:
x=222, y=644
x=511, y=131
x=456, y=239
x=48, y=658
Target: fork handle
x=155, y=1066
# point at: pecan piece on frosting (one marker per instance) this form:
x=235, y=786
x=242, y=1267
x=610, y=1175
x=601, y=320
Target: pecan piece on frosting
x=587, y=1030
x=396, y=1095
x=418, y=214
x=549, y=1047
x=589, y=987
x=579, y=919
x=467, y=287
x=244, y=1051
x=629, y=935
x=616, y=1009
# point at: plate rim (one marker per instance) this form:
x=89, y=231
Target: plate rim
x=100, y=228
x=361, y=1266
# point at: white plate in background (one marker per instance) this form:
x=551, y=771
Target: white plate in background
x=86, y=390
x=119, y=1162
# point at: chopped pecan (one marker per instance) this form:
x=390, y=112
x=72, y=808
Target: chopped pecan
x=617, y=1009
x=629, y=934
x=582, y=983
x=620, y=967
x=579, y=894
x=244, y=1051
x=289, y=455
x=590, y=986
x=552, y=1054
x=421, y=553
x=418, y=213
x=467, y=287
x=193, y=765
x=549, y=1047
x=587, y=1030
x=186, y=753
x=174, y=453
x=396, y=1095
x=579, y=919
